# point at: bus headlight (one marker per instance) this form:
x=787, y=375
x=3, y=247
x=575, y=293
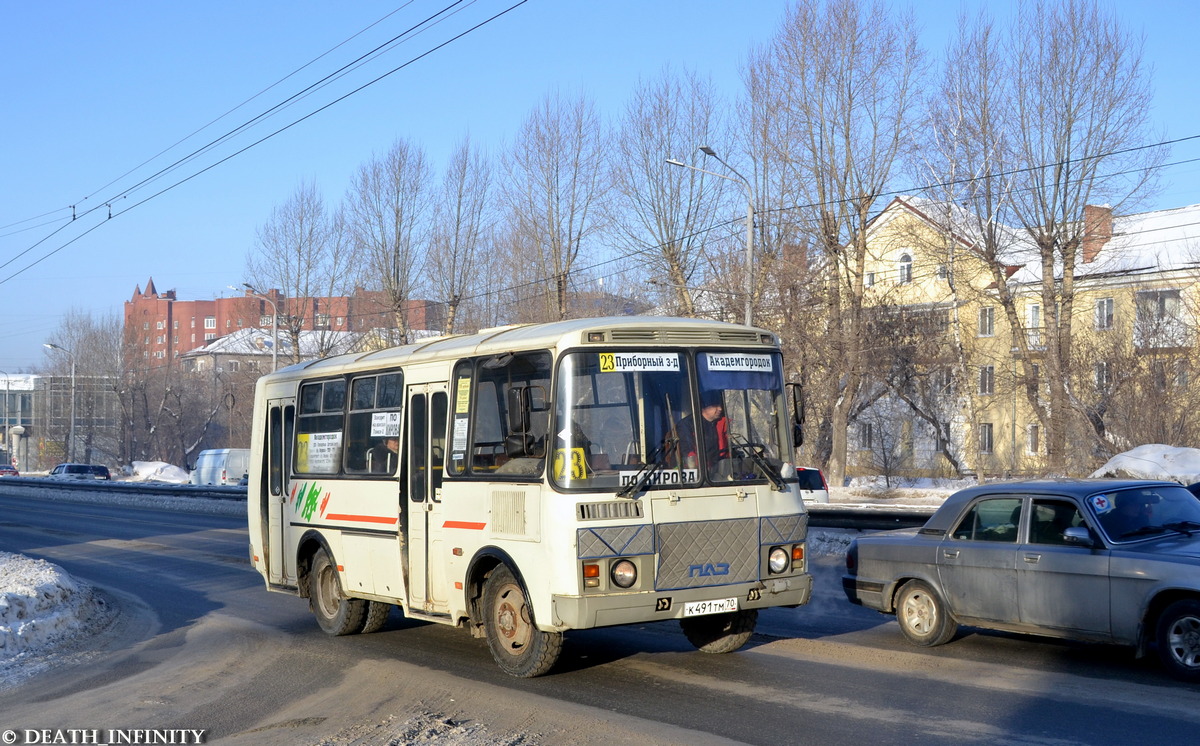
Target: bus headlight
x=623, y=574
x=778, y=561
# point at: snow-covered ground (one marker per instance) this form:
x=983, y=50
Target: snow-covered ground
x=43, y=609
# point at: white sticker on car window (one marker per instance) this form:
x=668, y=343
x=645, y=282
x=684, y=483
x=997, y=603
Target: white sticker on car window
x=1101, y=504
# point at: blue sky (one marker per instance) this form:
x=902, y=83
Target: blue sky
x=93, y=92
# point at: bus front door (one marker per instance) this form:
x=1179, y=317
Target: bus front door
x=281, y=424
x=426, y=434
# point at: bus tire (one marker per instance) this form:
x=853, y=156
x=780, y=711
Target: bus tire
x=720, y=633
x=376, y=616
x=517, y=645
x=337, y=614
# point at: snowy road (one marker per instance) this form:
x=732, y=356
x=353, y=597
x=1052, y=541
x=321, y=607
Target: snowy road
x=198, y=644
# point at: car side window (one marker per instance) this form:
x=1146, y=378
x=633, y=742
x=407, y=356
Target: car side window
x=995, y=519
x=1050, y=518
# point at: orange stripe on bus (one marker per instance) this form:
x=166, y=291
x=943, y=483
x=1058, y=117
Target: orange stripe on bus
x=464, y=524
x=361, y=518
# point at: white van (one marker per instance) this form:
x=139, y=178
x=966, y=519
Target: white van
x=221, y=466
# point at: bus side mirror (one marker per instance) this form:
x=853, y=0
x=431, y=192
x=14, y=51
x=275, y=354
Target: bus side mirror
x=518, y=410
x=797, y=414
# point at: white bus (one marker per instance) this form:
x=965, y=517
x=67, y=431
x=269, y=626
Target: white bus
x=528, y=480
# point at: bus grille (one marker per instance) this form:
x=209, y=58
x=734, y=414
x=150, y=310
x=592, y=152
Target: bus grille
x=706, y=553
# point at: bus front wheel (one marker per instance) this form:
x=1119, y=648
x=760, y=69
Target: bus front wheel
x=517, y=645
x=337, y=614
x=720, y=633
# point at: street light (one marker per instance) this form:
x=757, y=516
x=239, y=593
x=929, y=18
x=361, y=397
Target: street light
x=7, y=386
x=274, y=322
x=749, y=218
x=71, y=434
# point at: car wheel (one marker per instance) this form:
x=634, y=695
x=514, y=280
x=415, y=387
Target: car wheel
x=1179, y=639
x=336, y=614
x=517, y=645
x=720, y=633
x=923, y=616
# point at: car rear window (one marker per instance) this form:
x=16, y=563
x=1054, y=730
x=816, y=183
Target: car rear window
x=810, y=479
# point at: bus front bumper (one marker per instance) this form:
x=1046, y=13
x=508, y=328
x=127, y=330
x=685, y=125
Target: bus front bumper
x=611, y=609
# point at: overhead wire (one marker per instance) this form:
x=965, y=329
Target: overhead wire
x=125, y=193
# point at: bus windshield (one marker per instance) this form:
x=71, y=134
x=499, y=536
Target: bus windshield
x=672, y=418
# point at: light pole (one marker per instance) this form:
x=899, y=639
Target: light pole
x=749, y=287
x=71, y=434
x=7, y=445
x=250, y=289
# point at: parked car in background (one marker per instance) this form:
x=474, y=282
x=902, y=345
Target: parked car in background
x=813, y=487
x=1096, y=560
x=221, y=466
x=79, y=471
x=8, y=470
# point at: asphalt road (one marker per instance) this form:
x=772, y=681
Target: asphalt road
x=199, y=644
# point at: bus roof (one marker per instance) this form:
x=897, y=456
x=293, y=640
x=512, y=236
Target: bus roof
x=616, y=330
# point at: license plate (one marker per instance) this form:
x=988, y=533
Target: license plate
x=720, y=606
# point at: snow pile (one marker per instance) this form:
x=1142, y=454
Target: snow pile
x=155, y=471
x=1154, y=462
x=40, y=604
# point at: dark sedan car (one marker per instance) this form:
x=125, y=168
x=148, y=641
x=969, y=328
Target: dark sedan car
x=1096, y=560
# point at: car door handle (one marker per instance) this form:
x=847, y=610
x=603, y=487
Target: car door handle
x=950, y=554
x=1033, y=559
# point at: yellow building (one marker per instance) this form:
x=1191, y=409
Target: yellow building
x=959, y=368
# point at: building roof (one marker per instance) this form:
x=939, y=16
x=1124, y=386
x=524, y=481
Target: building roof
x=254, y=341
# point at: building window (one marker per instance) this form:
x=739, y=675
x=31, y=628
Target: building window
x=175, y=339
x=987, y=321
x=209, y=337
x=265, y=320
x=175, y=324
x=1033, y=325
x=159, y=354
x=210, y=322
x=866, y=436
x=240, y=324
x=869, y=279
x=159, y=325
x=340, y=321
x=251, y=365
x=1033, y=438
x=1158, y=321
x=1104, y=313
x=193, y=339
x=159, y=339
x=233, y=365
x=322, y=321
x=987, y=379
x=193, y=322
x=943, y=272
x=1103, y=375
x=905, y=269
x=985, y=437
x=228, y=323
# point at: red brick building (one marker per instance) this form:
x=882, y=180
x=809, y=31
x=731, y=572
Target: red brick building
x=159, y=327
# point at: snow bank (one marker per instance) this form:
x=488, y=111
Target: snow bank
x=1154, y=462
x=40, y=604
x=155, y=471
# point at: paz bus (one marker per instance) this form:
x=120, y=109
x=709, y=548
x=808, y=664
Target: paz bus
x=532, y=479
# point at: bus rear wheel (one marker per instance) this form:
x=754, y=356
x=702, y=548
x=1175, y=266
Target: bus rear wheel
x=337, y=614
x=517, y=645
x=720, y=633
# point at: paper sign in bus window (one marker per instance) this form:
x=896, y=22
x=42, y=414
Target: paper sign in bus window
x=385, y=424
x=621, y=362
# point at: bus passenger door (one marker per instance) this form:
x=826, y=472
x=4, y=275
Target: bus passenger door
x=281, y=424
x=425, y=454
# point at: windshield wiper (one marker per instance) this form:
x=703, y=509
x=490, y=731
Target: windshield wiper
x=1183, y=527
x=648, y=469
x=1145, y=530
x=760, y=461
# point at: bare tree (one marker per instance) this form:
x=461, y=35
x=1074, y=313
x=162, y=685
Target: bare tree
x=463, y=227
x=302, y=250
x=389, y=211
x=85, y=362
x=847, y=75
x=554, y=181
x=661, y=214
x=1031, y=128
